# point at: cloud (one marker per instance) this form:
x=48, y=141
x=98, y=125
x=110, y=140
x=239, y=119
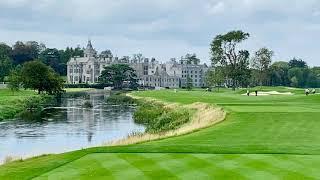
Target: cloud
x=216, y=7
x=165, y=28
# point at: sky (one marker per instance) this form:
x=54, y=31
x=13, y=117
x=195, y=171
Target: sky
x=165, y=28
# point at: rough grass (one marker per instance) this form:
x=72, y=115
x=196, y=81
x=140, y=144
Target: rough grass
x=264, y=137
x=11, y=103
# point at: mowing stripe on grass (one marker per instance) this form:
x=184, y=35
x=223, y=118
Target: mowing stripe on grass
x=187, y=166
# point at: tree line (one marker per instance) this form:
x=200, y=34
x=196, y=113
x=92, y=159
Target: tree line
x=22, y=52
x=234, y=65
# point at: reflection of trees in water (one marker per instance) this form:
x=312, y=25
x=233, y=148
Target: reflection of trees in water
x=101, y=117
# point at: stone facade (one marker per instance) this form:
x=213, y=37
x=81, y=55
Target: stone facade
x=150, y=73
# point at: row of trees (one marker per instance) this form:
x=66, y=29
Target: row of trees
x=21, y=52
x=235, y=65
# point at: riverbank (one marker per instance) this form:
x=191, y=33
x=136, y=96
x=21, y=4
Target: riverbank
x=13, y=103
x=201, y=115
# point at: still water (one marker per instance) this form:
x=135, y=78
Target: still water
x=67, y=127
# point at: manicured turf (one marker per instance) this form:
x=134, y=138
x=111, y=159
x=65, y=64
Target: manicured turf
x=187, y=166
x=264, y=137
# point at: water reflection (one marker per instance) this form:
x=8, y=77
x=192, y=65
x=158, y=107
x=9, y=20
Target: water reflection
x=67, y=127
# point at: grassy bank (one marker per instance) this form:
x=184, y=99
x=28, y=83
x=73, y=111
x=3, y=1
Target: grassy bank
x=264, y=137
x=13, y=103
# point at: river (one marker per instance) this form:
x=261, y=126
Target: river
x=67, y=127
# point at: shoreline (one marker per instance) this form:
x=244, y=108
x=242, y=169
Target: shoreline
x=205, y=115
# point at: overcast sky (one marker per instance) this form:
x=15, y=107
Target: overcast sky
x=165, y=28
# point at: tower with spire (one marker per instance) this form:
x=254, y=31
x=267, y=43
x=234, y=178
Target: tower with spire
x=89, y=51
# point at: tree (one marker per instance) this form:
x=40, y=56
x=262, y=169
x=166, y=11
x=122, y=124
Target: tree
x=23, y=52
x=296, y=76
x=279, y=74
x=189, y=83
x=224, y=53
x=5, y=67
x=118, y=75
x=192, y=59
x=261, y=62
x=298, y=63
x=215, y=77
x=38, y=76
x=52, y=58
x=5, y=60
x=137, y=58
x=14, y=80
x=106, y=54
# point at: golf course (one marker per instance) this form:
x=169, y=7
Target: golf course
x=262, y=137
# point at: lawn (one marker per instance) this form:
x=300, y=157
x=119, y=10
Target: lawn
x=264, y=137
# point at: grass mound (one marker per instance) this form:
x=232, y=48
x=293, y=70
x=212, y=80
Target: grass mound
x=159, y=118
x=120, y=99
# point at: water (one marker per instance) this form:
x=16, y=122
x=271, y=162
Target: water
x=66, y=128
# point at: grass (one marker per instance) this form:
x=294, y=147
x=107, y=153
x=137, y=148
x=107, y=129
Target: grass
x=77, y=89
x=13, y=103
x=264, y=137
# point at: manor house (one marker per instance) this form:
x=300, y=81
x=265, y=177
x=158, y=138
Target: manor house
x=150, y=73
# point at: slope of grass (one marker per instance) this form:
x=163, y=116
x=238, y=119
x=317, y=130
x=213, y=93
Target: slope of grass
x=264, y=137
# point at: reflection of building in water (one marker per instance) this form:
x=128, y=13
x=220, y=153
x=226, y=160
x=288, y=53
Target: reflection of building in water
x=76, y=113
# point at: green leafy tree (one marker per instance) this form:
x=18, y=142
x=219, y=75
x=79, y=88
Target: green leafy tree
x=224, y=53
x=118, y=75
x=38, y=76
x=14, y=79
x=279, y=74
x=299, y=75
x=192, y=59
x=23, y=52
x=262, y=62
x=52, y=58
x=215, y=77
x=297, y=63
x=5, y=60
x=5, y=67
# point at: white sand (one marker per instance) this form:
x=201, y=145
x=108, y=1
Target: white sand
x=268, y=93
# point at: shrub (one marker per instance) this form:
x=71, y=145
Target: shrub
x=169, y=121
x=157, y=118
x=147, y=112
x=120, y=99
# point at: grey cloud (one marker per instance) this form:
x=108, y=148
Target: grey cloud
x=165, y=28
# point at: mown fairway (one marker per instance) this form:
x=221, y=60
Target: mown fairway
x=264, y=137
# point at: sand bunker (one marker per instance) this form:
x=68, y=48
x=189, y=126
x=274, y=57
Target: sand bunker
x=268, y=93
